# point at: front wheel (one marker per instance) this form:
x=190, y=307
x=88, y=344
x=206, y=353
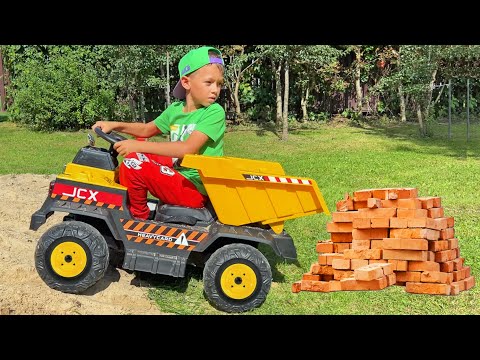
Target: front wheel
x=71, y=256
x=237, y=278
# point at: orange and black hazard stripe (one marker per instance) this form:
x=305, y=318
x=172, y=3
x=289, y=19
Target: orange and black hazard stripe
x=86, y=202
x=161, y=235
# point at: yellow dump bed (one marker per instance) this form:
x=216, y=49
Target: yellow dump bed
x=245, y=191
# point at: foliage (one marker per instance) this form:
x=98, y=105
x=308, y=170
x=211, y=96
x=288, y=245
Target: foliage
x=134, y=82
x=59, y=88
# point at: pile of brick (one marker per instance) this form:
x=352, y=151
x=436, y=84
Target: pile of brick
x=382, y=237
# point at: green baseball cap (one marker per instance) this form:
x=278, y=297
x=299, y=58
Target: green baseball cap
x=192, y=61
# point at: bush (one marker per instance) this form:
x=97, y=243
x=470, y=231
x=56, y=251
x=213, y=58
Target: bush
x=62, y=94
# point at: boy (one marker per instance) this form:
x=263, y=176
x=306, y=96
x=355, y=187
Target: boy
x=196, y=125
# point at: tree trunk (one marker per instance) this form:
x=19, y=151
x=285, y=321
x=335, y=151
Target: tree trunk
x=358, y=85
x=418, y=109
x=3, y=99
x=403, y=114
x=131, y=102
x=142, y=106
x=285, y=102
x=235, y=98
x=278, y=92
x=303, y=103
x=429, y=94
x=167, y=87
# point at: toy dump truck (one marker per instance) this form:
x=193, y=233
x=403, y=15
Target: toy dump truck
x=249, y=201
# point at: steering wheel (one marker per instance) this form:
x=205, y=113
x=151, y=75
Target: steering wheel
x=112, y=137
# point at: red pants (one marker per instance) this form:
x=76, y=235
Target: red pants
x=141, y=173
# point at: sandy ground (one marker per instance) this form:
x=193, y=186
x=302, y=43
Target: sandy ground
x=23, y=292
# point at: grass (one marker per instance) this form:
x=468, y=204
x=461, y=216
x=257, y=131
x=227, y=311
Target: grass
x=341, y=159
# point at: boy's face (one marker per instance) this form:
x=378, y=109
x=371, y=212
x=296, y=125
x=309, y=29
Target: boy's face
x=204, y=85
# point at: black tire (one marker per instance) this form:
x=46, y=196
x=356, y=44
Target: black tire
x=71, y=256
x=237, y=278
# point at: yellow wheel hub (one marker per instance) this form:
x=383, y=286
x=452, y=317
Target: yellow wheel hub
x=68, y=259
x=238, y=281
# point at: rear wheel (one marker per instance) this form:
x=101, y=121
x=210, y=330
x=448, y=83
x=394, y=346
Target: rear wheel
x=71, y=256
x=237, y=278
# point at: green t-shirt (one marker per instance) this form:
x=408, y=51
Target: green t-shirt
x=209, y=120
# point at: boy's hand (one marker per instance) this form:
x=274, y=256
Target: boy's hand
x=106, y=126
x=126, y=147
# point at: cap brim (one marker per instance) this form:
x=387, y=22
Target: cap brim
x=179, y=90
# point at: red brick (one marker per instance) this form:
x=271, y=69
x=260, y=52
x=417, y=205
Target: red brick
x=389, y=203
x=436, y=277
x=350, y=284
x=447, y=233
x=361, y=195
x=469, y=282
x=376, y=244
x=326, y=258
x=374, y=203
x=455, y=288
x=341, y=237
x=345, y=205
x=445, y=255
x=399, y=265
x=405, y=244
x=458, y=263
x=342, y=274
x=427, y=288
x=450, y=222
x=316, y=268
x=399, y=223
x=405, y=276
x=459, y=274
x=426, y=222
x=436, y=212
x=448, y=266
x=377, y=213
x=340, y=264
x=340, y=247
x=423, y=266
x=452, y=243
x=417, y=255
x=335, y=285
x=344, y=216
x=320, y=286
x=324, y=247
x=296, y=286
x=359, y=205
x=377, y=261
x=427, y=202
x=334, y=227
x=437, y=201
x=368, y=234
x=437, y=245
x=460, y=284
x=360, y=244
x=412, y=203
x=415, y=233
x=363, y=254
x=380, y=223
x=310, y=276
x=411, y=213
x=359, y=223
x=380, y=194
x=356, y=263
x=391, y=279
x=368, y=272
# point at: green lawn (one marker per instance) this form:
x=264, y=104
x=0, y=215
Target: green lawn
x=341, y=159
